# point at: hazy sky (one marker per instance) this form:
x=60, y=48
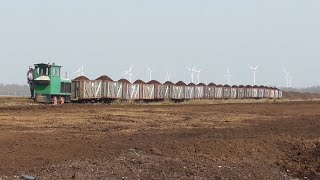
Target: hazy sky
x=168, y=35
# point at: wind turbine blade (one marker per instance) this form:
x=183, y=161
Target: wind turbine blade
x=188, y=69
x=284, y=70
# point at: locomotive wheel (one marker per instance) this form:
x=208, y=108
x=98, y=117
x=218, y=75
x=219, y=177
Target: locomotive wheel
x=62, y=100
x=55, y=100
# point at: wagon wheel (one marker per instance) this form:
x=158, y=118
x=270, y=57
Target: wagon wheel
x=62, y=100
x=55, y=100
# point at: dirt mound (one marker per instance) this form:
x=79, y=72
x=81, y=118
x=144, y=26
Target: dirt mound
x=154, y=82
x=181, y=83
x=124, y=81
x=104, y=78
x=81, y=78
x=169, y=83
x=139, y=81
x=191, y=84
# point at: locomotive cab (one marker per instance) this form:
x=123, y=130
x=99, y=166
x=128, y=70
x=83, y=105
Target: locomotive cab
x=49, y=87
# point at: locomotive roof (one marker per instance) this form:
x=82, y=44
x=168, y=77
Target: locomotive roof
x=47, y=64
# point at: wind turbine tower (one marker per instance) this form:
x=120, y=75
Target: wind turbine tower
x=80, y=71
x=198, y=74
x=228, y=76
x=254, y=69
x=290, y=81
x=150, y=73
x=128, y=74
x=192, y=70
x=168, y=77
x=287, y=77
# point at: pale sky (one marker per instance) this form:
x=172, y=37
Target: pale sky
x=168, y=35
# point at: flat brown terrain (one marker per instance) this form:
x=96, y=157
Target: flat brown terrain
x=218, y=141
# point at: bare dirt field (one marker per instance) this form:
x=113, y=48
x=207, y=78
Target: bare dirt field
x=182, y=141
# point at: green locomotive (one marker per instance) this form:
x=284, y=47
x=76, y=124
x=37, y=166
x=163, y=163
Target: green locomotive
x=49, y=86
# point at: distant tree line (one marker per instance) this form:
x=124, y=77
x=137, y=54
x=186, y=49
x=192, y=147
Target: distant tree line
x=313, y=89
x=14, y=90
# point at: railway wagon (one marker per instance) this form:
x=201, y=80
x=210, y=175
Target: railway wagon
x=138, y=86
x=234, y=90
x=266, y=92
x=161, y=91
x=148, y=91
x=190, y=91
x=157, y=90
x=241, y=92
x=113, y=90
x=255, y=92
x=88, y=89
x=218, y=92
x=261, y=92
x=276, y=93
x=210, y=91
x=178, y=91
x=110, y=89
x=226, y=92
x=248, y=92
x=272, y=93
x=199, y=91
x=280, y=94
x=131, y=91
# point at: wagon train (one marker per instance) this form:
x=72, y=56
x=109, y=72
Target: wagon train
x=50, y=87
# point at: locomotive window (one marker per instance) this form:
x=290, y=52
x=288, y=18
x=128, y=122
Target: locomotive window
x=56, y=72
x=44, y=71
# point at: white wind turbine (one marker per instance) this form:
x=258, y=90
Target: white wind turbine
x=128, y=74
x=287, y=77
x=254, y=73
x=290, y=81
x=228, y=76
x=80, y=71
x=192, y=70
x=198, y=74
x=150, y=73
x=168, y=77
